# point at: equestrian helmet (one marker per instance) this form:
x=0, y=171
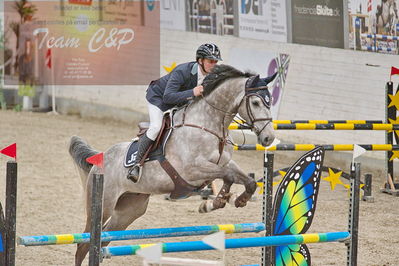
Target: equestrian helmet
x=208, y=51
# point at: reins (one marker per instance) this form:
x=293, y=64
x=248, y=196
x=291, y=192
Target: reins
x=223, y=138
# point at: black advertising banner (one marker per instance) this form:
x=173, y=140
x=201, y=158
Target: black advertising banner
x=318, y=22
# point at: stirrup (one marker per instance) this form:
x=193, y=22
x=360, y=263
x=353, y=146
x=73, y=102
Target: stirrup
x=134, y=178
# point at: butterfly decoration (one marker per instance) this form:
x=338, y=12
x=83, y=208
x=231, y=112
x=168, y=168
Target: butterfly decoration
x=279, y=64
x=294, y=206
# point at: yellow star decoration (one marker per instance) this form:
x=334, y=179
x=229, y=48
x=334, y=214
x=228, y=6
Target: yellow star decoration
x=333, y=178
x=169, y=69
x=394, y=122
x=260, y=184
x=282, y=173
x=395, y=154
x=394, y=100
x=347, y=186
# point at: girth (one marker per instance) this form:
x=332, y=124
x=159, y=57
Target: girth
x=182, y=187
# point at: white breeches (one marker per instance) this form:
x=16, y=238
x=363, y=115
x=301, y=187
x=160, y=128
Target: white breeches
x=156, y=116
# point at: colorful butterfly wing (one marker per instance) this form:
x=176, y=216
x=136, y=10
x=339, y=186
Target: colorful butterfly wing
x=295, y=204
x=292, y=255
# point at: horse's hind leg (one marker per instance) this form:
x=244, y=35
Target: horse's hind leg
x=108, y=206
x=129, y=207
x=83, y=248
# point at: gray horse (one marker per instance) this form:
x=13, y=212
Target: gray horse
x=194, y=152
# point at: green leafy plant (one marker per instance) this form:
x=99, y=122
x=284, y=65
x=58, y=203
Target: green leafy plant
x=26, y=90
x=17, y=108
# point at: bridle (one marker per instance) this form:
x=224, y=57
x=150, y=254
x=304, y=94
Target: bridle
x=249, y=92
x=261, y=92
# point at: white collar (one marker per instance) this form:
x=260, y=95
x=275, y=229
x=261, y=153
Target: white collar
x=200, y=75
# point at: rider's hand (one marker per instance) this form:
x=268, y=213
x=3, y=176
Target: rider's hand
x=198, y=90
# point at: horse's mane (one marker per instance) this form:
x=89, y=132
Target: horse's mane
x=219, y=74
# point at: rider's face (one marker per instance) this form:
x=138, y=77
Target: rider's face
x=208, y=64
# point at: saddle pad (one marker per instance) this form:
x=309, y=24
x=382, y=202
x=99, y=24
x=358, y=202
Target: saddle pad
x=131, y=153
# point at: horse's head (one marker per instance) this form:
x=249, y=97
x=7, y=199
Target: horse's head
x=226, y=83
x=255, y=109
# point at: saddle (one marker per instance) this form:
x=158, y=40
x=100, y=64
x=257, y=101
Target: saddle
x=157, y=152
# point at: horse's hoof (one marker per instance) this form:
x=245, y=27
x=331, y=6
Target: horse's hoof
x=240, y=204
x=167, y=197
x=206, y=206
x=241, y=201
x=219, y=203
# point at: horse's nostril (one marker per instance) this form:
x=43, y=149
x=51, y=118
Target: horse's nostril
x=265, y=140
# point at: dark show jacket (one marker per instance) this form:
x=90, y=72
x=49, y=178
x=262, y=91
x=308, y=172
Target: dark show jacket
x=175, y=88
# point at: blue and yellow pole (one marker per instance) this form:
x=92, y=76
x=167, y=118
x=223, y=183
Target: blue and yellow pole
x=141, y=234
x=232, y=243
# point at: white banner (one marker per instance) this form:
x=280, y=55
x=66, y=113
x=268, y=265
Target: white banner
x=172, y=15
x=265, y=64
x=263, y=19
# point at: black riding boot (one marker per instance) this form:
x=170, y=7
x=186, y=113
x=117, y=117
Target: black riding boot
x=134, y=173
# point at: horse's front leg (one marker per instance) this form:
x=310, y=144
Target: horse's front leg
x=241, y=178
x=210, y=171
x=230, y=174
x=220, y=201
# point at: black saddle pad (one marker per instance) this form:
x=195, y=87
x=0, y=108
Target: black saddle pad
x=157, y=154
x=130, y=156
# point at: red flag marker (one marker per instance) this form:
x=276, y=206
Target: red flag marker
x=97, y=159
x=48, y=58
x=394, y=71
x=10, y=151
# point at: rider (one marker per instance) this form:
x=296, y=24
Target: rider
x=175, y=88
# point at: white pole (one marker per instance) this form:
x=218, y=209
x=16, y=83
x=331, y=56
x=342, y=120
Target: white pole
x=52, y=83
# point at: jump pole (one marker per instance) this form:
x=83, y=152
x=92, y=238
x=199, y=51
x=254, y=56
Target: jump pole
x=321, y=121
x=3, y=234
x=11, y=212
x=308, y=147
x=327, y=126
x=390, y=186
x=353, y=216
x=96, y=219
x=232, y=243
x=107, y=236
x=267, y=203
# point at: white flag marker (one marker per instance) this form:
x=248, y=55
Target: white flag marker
x=357, y=151
x=152, y=254
x=216, y=240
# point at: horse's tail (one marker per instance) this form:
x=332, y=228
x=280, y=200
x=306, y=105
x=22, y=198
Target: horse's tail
x=80, y=151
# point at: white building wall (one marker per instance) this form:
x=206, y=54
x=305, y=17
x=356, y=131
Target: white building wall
x=322, y=83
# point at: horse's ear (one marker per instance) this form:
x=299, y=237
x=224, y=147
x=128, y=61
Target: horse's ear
x=252, y=81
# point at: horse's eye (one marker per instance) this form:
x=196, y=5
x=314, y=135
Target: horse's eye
x=255, y=103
